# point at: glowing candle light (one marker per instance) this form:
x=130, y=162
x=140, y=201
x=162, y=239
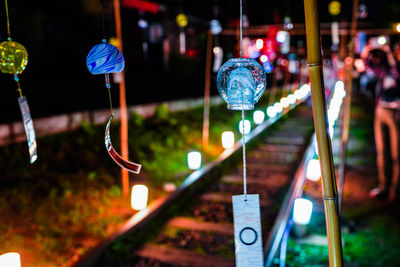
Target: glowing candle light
x=271, y=112
x=228, y=139
x=258, y=116
x=194, y=160
x=11, y=259
x=313, y=172
x=139, y=197
x=302, y=211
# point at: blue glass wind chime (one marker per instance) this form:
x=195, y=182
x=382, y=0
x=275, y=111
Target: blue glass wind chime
x=104, y=58
x=241, y=82
x=13, y=60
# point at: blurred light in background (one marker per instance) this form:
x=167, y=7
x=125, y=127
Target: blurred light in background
x=313, y=172
x=11, y=259
x=258, y=117
x=271, y=112
x=247, y=127
x=278, y=107
x=194, y=160
x=302, y=211
x=228, y=139
x=139, y=197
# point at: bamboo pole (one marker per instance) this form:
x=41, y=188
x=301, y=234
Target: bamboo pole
x=329, y=190
x=347, y=103
x=122, y=104
x=206, y=112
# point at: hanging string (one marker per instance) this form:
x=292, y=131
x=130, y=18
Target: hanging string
x=108, y=85
x=241, y=28
x=244, y=159
x=8, y=21
x=103, y=24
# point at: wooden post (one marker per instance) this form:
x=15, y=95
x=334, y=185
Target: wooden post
x=206, y=113
x=122, y=104
x=329, y=190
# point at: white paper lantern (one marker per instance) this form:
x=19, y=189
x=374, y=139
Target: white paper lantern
x=258, y=117
x=278, y=107
x=302, y=211
x=139, y=197
x=247, y=127
x=11, y=259
x=194, y=160
x=271, y=112
x=228, y=139
x=313, y=172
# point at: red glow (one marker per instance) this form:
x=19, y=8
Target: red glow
x=141, y=5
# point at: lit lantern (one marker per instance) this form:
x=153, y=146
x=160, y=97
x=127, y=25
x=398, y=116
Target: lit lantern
x=264, y=58
x=259, y=44
x=215, y=26
x=382, y=40
x=302, y=211
x=334, y=8
x=13, y=57
x=228, y=139
x=258, y=116
x=313, y=172
x=291, y=99
x=241, y=82
x=247, y=127
x=139, y=197
x=182, y=20
x=218, y=57
x=169, y=187
x=194, y=160
x=271, y=112
x=278, y=107
x=11, y=259
x=397, y=27
x=285, y=102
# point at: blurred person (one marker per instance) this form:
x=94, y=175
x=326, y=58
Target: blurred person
x=381, y=64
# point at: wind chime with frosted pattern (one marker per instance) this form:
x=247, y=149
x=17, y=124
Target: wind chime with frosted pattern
x=241, y=82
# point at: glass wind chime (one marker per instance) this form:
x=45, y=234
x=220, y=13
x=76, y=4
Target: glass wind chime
x=104, y=58
x=13, y=60
x=241, y=82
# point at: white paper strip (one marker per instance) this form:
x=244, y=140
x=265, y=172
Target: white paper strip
x=29, y=130
x=247, y=226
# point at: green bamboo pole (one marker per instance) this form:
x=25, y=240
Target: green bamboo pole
x=329, y=190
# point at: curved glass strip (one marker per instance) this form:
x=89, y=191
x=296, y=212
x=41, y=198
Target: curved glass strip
x=126, y=164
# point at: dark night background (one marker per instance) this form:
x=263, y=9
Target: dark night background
x=59, y=34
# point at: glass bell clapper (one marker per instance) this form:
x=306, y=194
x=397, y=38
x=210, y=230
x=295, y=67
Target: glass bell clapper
x=104, y=58
x=241, y=82
x=13, y=60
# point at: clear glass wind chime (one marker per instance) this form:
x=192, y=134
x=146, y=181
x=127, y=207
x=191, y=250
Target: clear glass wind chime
x=13, y=60
x=104, y=58
x=241, y=82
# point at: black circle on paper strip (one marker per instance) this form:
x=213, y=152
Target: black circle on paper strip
x=255, y=236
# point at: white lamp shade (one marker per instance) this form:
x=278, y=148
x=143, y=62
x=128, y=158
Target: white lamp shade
x=228, y=139
x=313, y=172
x=247, y=127
x=11, y=259
x=302, y=211
x=139, y=197
x=194, y=160
x=258, y=116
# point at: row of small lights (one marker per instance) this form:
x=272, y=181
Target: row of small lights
x=139, y=195
x=302, y=209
